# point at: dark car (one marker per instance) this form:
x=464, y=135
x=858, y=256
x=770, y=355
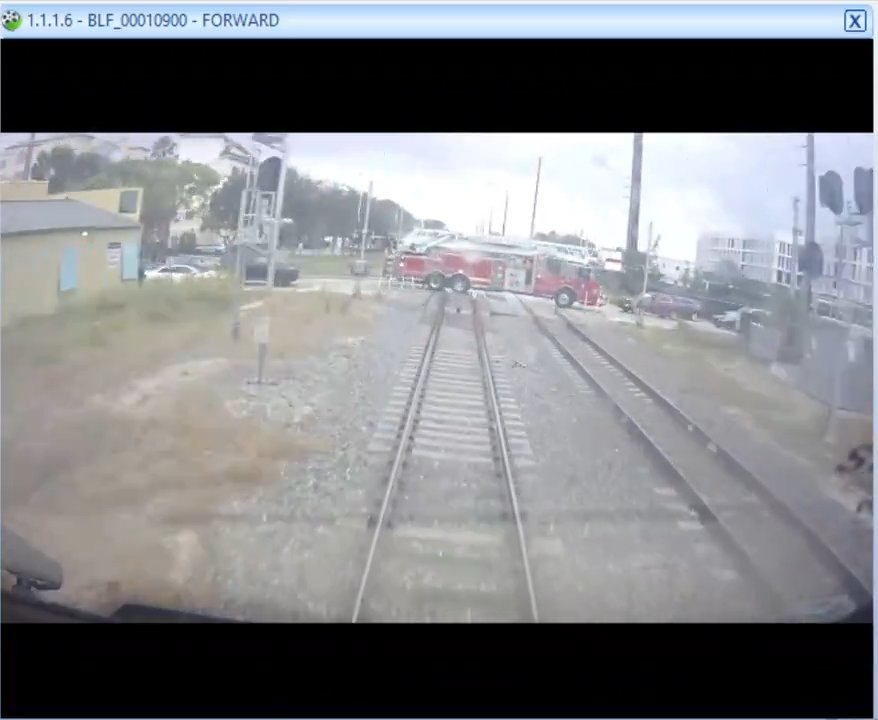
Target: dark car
x=212, y=250
x=284, y=275
x=669, y=306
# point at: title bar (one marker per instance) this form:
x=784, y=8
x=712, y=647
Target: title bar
x=22, y=21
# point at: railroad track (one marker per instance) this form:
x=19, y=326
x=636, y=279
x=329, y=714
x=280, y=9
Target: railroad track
x=792, y=569
x=447, y=543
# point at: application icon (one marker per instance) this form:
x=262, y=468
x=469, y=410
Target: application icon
x=11, y=20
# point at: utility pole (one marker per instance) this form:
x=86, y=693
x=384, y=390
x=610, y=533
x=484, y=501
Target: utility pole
x=491, y=221
x=646, y=259
x=366, y=223
x=634, y=204
x=505, y=211
x=533, y=217
x=29, y=158
x=398, y=225
x=262, y=331
x=810, y=213
x=278, y=214
x=794, y=276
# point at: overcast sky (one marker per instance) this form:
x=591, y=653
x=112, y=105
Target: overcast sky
x=728, y=183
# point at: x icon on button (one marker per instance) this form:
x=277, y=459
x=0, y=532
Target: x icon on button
x=855, y=21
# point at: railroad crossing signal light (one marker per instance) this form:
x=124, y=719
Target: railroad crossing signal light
x=863, y=190
x=832, y=192
x=268, y=177
x=811, y=260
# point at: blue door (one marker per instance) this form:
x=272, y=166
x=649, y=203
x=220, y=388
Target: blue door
x=69, y=275
x=130, y=259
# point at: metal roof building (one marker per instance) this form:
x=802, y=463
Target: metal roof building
x=56, y=250
x=18, y=217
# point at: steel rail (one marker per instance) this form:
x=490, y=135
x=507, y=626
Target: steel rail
x=858, y=587
x=503, y=450
x=403, y=442
x=696, y=500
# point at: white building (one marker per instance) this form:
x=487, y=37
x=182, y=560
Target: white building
x=210, y=149
x=766, y=259
x=129, y=149
x=207, y=149
x=612, y=259
x=851, y=281
x=671, y=269
x=771, y=260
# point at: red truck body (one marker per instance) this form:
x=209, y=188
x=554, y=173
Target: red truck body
x=462, y=265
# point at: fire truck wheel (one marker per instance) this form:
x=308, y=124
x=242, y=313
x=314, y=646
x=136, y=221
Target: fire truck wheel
x=435, y=281
x=460, y=283
x=564, y=298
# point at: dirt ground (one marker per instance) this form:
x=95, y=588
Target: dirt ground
x=707, y=367
x=748, y=389
x=117, y=424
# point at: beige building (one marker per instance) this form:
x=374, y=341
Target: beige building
x=122, y=201
x=57, y=248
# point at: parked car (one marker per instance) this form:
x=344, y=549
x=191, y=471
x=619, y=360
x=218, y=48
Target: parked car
x=199, y=262
x=214, y=250
x=284, y=275
x=669, y=306
x=178, y=273
x=738, y=320
x=729, y=320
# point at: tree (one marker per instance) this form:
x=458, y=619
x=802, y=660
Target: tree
x=225, y=203
x=168, y=187
x=164, y=148
x=65, y=170
x=318, y=209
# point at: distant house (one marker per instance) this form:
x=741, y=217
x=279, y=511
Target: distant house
x=13, y=158
x=54, y=249
x=673, y=270
x=211, y=149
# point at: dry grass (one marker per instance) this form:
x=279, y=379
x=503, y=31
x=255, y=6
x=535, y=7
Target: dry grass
x=304, y=323
x=121, y=332
x=715, y=365
x=117, y=456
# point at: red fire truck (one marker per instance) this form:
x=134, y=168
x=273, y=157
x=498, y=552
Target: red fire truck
x=462, y=264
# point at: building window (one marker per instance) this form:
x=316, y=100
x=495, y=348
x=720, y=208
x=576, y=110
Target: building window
x=128, y=202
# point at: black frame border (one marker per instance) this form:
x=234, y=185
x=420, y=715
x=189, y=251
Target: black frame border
x=440, y=85
x=338, y=670
x=514, y=671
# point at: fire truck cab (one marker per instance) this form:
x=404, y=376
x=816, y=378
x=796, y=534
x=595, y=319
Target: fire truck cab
x=463, y=265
